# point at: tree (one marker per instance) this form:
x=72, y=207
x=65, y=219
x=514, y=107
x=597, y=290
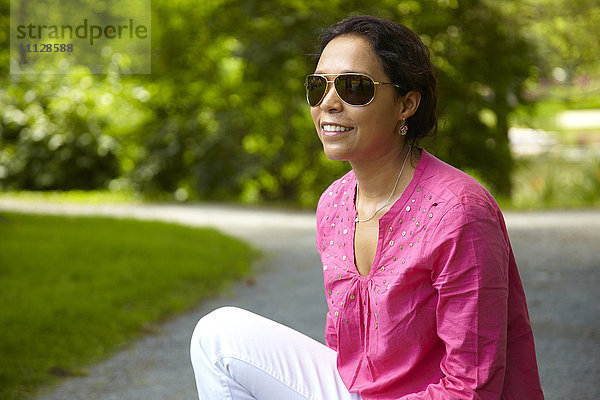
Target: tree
x=226, y=117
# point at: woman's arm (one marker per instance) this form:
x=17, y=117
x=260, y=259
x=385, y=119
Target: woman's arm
x=330, y=330
x=330, y=333
x=470, y=275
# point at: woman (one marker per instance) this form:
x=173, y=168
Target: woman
x=424, y=296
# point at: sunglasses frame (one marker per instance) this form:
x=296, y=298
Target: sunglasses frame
x=375, y=83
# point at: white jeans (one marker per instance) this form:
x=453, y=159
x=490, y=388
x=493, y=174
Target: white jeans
x=238, y=355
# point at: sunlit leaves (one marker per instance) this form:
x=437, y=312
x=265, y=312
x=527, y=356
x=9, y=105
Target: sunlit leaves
x=223, y=115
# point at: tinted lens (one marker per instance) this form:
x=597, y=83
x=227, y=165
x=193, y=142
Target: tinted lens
x=357, y=90
x=315, y=89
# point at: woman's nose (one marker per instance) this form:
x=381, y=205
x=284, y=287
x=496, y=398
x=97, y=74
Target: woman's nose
x=331, y=100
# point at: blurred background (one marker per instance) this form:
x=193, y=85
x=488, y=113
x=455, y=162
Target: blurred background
x=222, y=116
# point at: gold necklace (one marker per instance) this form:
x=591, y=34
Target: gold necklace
x=387, y=202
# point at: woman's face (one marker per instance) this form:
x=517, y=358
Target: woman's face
x=368, y=132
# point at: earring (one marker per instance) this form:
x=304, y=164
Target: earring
x=404, y=128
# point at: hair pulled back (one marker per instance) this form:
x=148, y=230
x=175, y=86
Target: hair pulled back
x=405, y=59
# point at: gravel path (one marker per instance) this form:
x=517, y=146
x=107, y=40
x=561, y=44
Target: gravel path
x=557, y=254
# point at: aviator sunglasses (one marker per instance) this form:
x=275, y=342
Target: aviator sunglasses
x=354, y=89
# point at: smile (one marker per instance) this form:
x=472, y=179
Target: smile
x=333, y=129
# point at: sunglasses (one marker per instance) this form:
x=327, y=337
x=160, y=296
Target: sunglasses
x=354, y=89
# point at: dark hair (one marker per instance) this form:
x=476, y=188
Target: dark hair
x=405, y=60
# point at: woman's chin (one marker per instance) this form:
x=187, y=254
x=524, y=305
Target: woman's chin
x=336, y=154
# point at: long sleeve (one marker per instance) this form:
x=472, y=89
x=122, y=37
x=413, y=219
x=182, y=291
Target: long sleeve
x=470, y=275
x=331, y=339
x=330, y=333
x=442, y=314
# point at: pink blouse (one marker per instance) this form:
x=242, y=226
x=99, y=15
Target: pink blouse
x=442, y=313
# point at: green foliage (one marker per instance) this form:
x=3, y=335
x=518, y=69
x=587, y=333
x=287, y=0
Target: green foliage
x=540, y=184
x=260, y=140
x=223, y=115
x=74, y=289
x=570, y=31
x=61, y=132
x=483, y=63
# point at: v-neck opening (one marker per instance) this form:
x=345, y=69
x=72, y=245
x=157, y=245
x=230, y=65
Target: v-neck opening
x=421, y=164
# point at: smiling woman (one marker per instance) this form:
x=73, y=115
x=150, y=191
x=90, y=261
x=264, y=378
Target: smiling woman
x=369, y=127
x=425, y=299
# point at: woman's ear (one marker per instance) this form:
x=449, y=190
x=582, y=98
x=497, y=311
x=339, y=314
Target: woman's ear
x=410, y=102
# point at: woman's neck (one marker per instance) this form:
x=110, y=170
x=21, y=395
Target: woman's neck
x=376, y=178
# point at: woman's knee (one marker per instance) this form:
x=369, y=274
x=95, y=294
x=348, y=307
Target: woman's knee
x=222, y=318
x=218, y=328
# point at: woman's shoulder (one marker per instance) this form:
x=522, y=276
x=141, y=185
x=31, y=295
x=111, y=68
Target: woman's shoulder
x=339, y=193
x=455, y=202
x=454, y=188
x=339, y=188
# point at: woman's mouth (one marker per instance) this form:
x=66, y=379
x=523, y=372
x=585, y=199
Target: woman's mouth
x=332, y=130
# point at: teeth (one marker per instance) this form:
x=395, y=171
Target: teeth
x=335, y=128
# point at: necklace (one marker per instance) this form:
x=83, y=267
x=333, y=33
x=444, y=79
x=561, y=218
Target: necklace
x=387, y=202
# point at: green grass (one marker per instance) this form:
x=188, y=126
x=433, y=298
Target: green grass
x=74, y=196
x=73, y=289
x=547, y=103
